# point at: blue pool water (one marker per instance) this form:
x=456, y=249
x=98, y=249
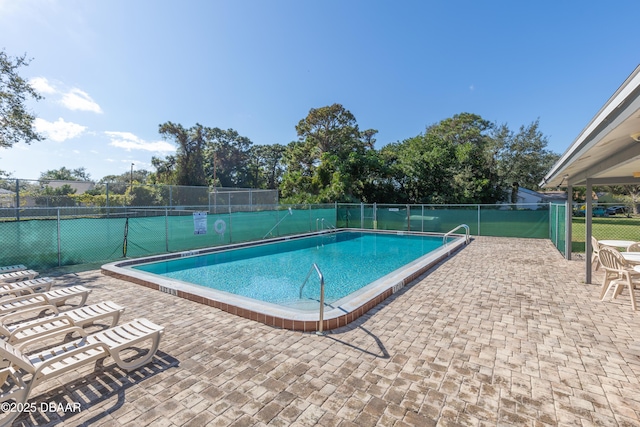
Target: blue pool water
x=274, y=272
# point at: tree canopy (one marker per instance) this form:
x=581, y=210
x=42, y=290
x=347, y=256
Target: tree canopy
x=461, y=159
x=16, y=122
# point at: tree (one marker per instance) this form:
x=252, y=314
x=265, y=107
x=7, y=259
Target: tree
x=226, y=158
x=326, y=163
x=449, y=163
x=16, y=123
x=165, y=170
x=189, y=160
x=266, y=165
x=65, y=174
x=523, y=157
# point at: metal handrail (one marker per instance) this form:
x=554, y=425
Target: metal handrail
x=467, y=238
x=321, y=277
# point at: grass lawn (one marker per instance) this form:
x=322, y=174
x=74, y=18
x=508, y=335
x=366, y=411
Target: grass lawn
x=617, y=227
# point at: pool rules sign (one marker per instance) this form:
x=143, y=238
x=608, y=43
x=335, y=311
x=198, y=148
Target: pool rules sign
x=199, y=223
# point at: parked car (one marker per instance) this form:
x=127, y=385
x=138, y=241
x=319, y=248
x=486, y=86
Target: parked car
x=613, y=210
x=596, y=211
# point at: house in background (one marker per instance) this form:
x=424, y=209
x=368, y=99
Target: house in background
x=529, y=199
x=79, y=186
x=7, y=198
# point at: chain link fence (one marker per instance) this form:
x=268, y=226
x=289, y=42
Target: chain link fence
x=503, y=220
x=558, y=226
x=47, y=237
x=51, y=237
x=25, y=193
x=613, y=221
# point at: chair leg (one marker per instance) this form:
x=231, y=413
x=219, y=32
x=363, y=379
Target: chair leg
x=595, y=261
x=632, y=296
x=605, y=285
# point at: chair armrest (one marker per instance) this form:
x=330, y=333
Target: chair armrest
x=10, y=300
x=64, y=330
x=7, y=319
x=78, y=350
x=66, y=320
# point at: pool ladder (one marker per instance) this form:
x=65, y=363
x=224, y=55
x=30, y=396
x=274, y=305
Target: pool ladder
x=323, y=227
x=466, y=228
x=321, y=277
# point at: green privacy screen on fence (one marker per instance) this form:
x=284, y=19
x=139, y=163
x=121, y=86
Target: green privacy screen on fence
x=557, y=226
x=90, y=238
x=51, y=237
x=483, y=220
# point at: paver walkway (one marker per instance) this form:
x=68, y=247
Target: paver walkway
x=503, y=333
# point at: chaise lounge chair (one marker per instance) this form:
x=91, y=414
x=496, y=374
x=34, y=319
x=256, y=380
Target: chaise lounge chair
x=28, y=370
x=17, y=276
x=26, y=286
x=16, y=330
x=12, y=268
x=55, y=297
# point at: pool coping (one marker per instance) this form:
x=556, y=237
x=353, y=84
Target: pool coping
x=346, y=310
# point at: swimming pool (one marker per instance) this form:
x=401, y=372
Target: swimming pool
x=263, y=281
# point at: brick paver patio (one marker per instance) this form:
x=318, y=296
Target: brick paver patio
x=503, y=333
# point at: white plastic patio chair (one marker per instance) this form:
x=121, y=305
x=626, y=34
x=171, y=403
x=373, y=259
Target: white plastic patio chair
x=618, y=274
x=17, y=276
x=595, y=250
x=11, y=268
x=15, y=329
x=28, y=370
x=26, y=286
x=56, y=297
x=634, y=247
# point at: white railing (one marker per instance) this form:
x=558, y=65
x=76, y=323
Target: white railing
x=321, y=277
x=448, y=234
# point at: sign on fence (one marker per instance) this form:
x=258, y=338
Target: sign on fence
x=199, y=223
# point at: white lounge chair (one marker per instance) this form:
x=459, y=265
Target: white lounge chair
x=16, y=330
x=17, y=276
x=12, y=268
x=28, y=370
x=26, y=286
x=55, y=297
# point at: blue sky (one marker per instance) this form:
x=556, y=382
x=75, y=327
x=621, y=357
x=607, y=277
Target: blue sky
x=112, y=71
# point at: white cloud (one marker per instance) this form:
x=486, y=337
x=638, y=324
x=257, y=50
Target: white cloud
x=77, y=99
x=73, y=99
x=41, y=84
x=129, y=142
x=59, y=130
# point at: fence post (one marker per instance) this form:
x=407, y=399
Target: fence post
x=408, y=217
x=230, y=225
x=166, y=228
x=557, y=224
x=59, y=248
x=361, y=215
x=375, y=216
x=18, y=199
x=478, y=220
x=568, y=232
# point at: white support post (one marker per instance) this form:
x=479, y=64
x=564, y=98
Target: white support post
x=588, y=225
x=568, y=222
